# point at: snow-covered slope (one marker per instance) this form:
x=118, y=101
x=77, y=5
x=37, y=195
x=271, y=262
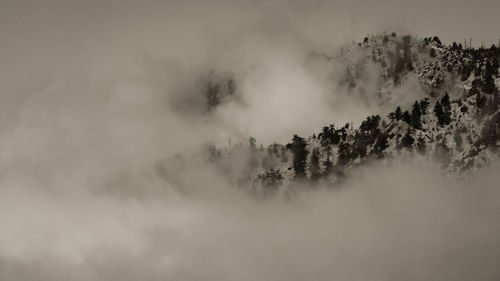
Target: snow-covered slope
x=456, y=122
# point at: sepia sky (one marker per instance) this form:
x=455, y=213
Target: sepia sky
x=95, y=94
x=40, y=29
x=42, y=41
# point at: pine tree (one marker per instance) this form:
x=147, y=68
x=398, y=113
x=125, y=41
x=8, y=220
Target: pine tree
x=344, y=153
x=328, y=164
x=424, y=104
x=300, y=153
x=438, y=111
x=396, y=115
x=314, y=168
x=380, y=145
x=445, y=101
x=489, y=86
x=480, y=100
x=406, y=117
x=416, y=113
x=253, y=161
x=408, y=140
x=251, y=144
x=442, y=111
x=359, y=146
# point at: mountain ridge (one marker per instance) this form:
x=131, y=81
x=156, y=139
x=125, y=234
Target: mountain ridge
x=456, y=124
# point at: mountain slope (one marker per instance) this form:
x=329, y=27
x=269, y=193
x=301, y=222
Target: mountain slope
x=456, y=123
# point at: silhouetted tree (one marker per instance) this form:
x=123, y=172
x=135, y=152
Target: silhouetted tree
x=300, y=153
x=406, y=117
x=359, y=146
x=251, y=144
x=329, y=136
x=445, y=101
x=314, y=168
x=490, y=71
x=442, y=112
x=416, y=113
x=407, y=140
x=380, y=145
x=344, y=153
x=424, y=104
x=398, y=113
x=253, y=161
x=370, y=125
x=328, y=164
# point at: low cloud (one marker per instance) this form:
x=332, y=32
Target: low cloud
x=96, y=94
x=403, y=222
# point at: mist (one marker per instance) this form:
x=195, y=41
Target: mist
x=413, y=226
x=94, y=94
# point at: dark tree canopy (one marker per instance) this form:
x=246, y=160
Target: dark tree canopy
x=315, y=169
x=298, y=147
x=416, y=114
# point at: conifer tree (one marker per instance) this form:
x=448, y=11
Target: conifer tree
x=398, y=113
x=406, y=117
x=380, y=145
x=344, y=153
x=424, y=104
x=489, y=86
x=445, y=101
x=407, y=140
x=416, y=113
x=252, y=159
x=480, y=100
x=328, y=164
x=251, y=144
x=300, y=153
x=314, y=168
x=442, y=110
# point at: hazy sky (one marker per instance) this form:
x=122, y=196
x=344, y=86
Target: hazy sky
x=44, y=41
x=37, y=30
x=92, y=96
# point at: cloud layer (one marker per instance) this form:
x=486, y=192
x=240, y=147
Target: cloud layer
x=95, y=93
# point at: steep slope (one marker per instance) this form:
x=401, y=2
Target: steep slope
x=456, y=123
